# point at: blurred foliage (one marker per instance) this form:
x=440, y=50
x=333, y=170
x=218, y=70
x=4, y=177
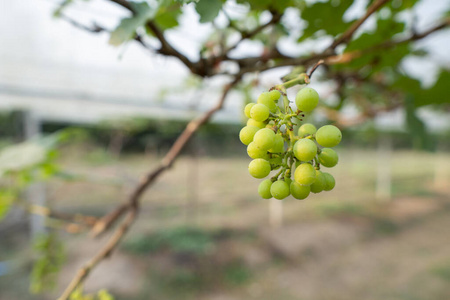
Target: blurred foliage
x=28, y=162
x=376, y=76
x=101, y=295
x=46, y=268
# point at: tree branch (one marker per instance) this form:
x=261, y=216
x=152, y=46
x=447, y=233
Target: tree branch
x=132, y=205
x=105, y=252
x=346, y=36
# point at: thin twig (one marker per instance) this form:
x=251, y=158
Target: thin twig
x=105, y=252
x=347, y=35
x=315, y=67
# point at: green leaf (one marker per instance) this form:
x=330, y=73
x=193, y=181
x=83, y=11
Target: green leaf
x=167, y=16
x=416, y=126
x=325, y=17
x=187, y=1
x=127, y=27
x=21, y=156
x=436, y=94
x=7, y=198
x=46, y=268
x=208, y=9
x=386, y=29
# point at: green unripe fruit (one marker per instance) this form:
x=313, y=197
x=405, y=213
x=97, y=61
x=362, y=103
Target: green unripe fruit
x=259, y=168
x=255, y=152
x=305, y=174
x=329, y=181
x=247, y=134
x=264, y=138
x=307, y=99
x=264, y=189
x=266, y=100
x=328, y=136
x=259, y=112
x=278, y=145
x=319, y=184
x=274, y=95
x=328, y=158
x=247, y=109
x=298, y=191
x=306, y=129
x=279, y=189
x=305, y=150
x=251, y=122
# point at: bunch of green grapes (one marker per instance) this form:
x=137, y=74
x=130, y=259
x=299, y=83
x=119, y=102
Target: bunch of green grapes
x=298, y=156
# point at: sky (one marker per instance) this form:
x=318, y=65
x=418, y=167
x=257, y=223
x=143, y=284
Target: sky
x=65, y=73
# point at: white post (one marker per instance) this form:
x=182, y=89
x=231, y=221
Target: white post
x=440, y=168
x=35, y=193
x=384, y=177
x=275, y=213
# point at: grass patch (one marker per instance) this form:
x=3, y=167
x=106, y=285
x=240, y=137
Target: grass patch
x=179, y=240
x=442, y=271
x=236, y=274
x=339, y=208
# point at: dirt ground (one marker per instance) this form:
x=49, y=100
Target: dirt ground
x=344, y=244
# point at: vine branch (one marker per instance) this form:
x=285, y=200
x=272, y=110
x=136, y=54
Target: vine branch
x=132, y=204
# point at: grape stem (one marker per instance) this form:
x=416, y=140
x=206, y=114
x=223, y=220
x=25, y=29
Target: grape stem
x=303, y=78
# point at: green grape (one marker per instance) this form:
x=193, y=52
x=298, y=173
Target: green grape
x=264, y=189
x=328, y=157
x=247, y=109
x=279, y=189
x=259, y=168
x=251, y=122
x=328, y=136
x=329, y=181
x=274, y=95
x=306, y=99
x=305, y=174
x=306, y=129
x=278, y=145
x=319, y=184
x=259, y=112
x=247, y=134
x=288, y=180
x=305, y=150
x=298, y=191
x=264, y=138
x=265, y=99
x=254, y=152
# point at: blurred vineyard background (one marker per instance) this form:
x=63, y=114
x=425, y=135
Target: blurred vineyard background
x=205, y=234
x=107, y=116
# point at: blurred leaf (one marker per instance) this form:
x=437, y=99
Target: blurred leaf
x=78, y=294
x=436, y=94
x=325, y=17
x=57, y=12
x=46, y=268
x=167, y=16
x=208, y=9
x=294, y=73
x=127, y=27
x=21, y=156
x=416, y=126
x=377, y=60
x=7, y=198
x=279, y=6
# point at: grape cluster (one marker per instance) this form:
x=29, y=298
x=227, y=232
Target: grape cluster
x=298, y=156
